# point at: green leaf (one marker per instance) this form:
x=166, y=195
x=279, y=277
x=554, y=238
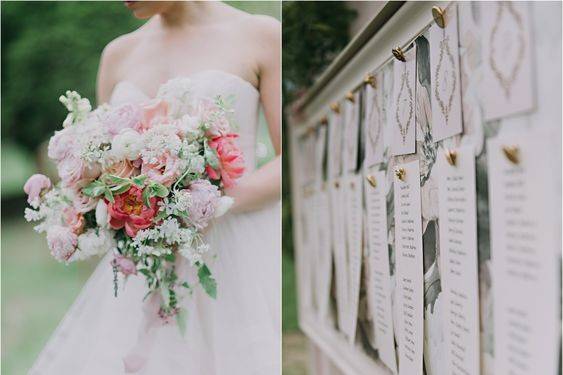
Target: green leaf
x=116, y=179
x=210, y=156
x=185, y=285
x=146, y=197
x=181, y=319
x=118, y=189
x=139, y=180
x=108, y=195
x=169, y=257
x=94, y=189
x=207, y=281
x=159, y=190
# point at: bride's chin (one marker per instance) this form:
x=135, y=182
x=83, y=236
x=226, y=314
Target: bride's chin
x=141, y=10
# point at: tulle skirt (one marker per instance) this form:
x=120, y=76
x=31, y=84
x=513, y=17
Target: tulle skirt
x=237, y=333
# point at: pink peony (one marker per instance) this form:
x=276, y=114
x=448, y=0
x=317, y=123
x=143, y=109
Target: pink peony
x=231, y=161
x=125, y=265
x=82, y=203
x=164, y=171
x=35, y=185
x=204, y=199
x=73, y=220
x=155, y=112
x=62, y=144
x=62, y=242
x=123, y=117
x=129, y=211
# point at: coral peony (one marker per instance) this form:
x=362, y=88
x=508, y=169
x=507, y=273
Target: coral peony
x=231, y=161
x=164, y=170
x=73, y=219
x=129, y=211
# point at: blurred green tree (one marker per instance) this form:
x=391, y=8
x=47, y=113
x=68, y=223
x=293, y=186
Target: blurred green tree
x=46, y=49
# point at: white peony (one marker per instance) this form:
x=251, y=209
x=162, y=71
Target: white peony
x=94, y=242
x=126, y=145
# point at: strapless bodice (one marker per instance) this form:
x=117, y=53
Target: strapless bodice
x=210, y=83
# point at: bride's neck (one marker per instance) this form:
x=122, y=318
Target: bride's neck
x=185, y=13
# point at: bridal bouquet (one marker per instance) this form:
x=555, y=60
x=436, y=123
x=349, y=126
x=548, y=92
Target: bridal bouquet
x=142, y=181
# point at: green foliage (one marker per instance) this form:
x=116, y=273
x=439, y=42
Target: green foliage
x=313, y=34
x=207, y=281
x=47, y=48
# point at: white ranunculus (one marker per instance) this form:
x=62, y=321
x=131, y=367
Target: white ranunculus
x=126, y=145
x=224, y=204
x=102, y=214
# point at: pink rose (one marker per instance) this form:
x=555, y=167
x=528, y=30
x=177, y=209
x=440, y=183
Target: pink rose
x=123, y=117
x=129, y=211
x=35, y=185
x=74, y=171
x=125, y=265
x=82, y=203
x=205, y=197
x=156, y=112
x=123, y=169
x=164, y=171
x=73, y=220
x=62, y=242
x=231, y=161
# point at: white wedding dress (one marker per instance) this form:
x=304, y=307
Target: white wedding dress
x=238, y=333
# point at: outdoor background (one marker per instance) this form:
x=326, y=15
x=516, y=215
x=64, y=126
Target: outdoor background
x=47, y=48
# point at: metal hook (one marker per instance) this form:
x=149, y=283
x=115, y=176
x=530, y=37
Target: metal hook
x=350, y=97
x=335, y=107
x=400, y=173
x=439, y=16
x=451, y=157
x=371, y=180
x=370, y=80
x=399, y=54
x=512, y=153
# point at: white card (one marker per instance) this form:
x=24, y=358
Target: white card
x=525, y=253
x=334, y=145
x=351, y=132
x=374, y=122
x=354, y=247
x=445, y=78
x=324, y=254
x=409, y=271
x=380, y=274
x=404, y=105
x=337, y=224
x=459, y=263
x=507, y=86
x=320, y=145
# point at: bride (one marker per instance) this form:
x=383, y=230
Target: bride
x=223, y=51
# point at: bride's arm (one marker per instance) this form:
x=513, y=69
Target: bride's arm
x=264, y=185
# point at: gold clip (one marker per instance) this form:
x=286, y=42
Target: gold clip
x=352, y=185
x=439, y=16
x=324, y=120
x=336, y=184
x=451, y=157
x=350, y=97
x=400, y=173
x=371, y=180
x=399, y=55
x=335, y=107
x=370, y=80
x=512, y=153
